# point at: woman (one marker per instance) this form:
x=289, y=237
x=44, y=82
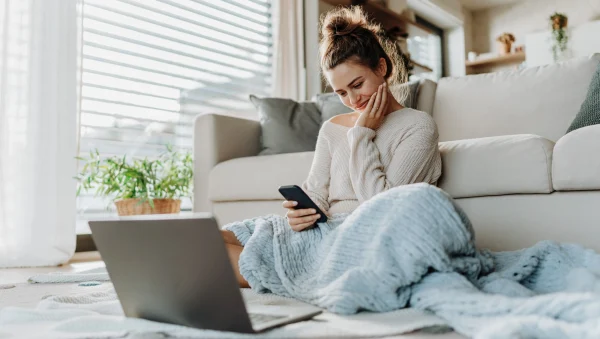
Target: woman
x=379, y=146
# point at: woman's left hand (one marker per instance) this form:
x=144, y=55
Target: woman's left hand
x=374, y=114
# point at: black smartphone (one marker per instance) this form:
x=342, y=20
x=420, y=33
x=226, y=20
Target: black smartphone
x=295, y=193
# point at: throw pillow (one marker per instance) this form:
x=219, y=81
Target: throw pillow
x=589, y=113
x=287, y=126
x=330, y=104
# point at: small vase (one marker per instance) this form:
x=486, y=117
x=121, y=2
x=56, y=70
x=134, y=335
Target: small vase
x=504, y=48
x=134, y=207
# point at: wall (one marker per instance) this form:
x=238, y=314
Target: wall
x=527, y=17
x=454, y=51
x=312, y=10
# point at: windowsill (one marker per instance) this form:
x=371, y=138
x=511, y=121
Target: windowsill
x=82, y=226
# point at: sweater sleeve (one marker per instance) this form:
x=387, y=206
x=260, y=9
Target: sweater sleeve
x=316, y=185
x=416, y=158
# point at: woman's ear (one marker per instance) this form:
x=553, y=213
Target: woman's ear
x=382, y=67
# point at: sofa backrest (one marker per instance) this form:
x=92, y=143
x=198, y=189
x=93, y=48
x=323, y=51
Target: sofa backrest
x=539, y=100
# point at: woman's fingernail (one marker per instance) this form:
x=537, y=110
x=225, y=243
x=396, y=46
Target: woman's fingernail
x=313, y=211
x=295, y=203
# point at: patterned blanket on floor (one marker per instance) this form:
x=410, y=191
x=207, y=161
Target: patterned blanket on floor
x=413, y=246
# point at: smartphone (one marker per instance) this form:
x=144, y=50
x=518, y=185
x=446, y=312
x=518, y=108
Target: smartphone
x=295, y=193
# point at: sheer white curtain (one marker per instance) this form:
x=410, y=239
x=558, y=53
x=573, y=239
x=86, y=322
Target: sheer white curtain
x=38, y=131
x=288, y=54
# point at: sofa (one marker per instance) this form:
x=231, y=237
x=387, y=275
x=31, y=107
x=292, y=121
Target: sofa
x=506, y=158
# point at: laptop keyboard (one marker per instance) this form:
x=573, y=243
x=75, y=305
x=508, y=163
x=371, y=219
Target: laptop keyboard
x=259, y=318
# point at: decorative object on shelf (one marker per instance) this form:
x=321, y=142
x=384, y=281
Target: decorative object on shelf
x=520, y=48
x=139, y=186
x=505, y=42
x=558, y=22
x=472, y=56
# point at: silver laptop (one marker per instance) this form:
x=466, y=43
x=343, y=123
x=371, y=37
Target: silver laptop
x=176, y=270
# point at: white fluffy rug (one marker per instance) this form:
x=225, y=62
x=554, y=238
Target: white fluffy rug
x=73, y=311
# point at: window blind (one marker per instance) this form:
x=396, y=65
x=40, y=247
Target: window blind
x=425, y=48
x=150, y=66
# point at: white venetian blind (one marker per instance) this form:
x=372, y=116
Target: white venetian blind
x=426, y=49
x=150, y=66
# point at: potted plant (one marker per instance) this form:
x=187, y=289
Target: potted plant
x=558, y=22
x=505, y=42
x=139, y=186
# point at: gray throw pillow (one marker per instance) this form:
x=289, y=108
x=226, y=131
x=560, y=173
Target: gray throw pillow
x=330, y=104
x=589, y=113
x=287, y=126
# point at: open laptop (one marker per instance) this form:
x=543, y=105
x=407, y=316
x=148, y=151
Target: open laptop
x=176, y=270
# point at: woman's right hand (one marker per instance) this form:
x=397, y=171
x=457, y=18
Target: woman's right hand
x=299, y=220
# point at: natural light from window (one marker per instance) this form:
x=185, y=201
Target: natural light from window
x=149, y=67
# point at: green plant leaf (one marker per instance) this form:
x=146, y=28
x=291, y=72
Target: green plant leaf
x=170, y=175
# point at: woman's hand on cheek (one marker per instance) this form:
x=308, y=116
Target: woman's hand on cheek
x=374, y=114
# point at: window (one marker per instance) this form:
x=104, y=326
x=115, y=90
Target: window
x=149, y=67
x=425, y=47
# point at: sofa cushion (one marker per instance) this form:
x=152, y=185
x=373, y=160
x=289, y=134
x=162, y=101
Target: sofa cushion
x=538, y=100
x=511, y=164
x=258, y=178
x=576, y=163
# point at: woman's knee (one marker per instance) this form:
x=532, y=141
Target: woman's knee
x=230, y=238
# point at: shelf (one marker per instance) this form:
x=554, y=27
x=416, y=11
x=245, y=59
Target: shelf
x=385, y=16
x=501, y=59
x=422, y=68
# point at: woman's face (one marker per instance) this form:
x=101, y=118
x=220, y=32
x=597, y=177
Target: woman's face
x=355, y=83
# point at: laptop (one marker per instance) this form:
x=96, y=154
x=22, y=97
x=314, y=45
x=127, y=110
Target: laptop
x=176, y=270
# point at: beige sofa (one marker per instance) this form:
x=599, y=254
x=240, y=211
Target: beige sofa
x=505, y=157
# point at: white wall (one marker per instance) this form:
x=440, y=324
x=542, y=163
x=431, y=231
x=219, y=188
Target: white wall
x=312, y=11
x=454, y=50
x=584, y=40
x=527, y=17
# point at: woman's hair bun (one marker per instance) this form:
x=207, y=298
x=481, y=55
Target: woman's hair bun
x=347, y=34
x=344, y=22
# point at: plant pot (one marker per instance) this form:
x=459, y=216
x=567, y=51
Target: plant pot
x=134, y=207
x=558, y=23
x=504, y=48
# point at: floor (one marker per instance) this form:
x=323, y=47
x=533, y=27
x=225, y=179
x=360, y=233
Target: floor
x=14, y=290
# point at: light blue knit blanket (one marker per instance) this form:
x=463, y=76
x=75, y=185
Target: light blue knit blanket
x=413, y=246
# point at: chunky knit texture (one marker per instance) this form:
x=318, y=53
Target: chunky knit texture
x=589, y=114
x=412, y=246
x=352, y=165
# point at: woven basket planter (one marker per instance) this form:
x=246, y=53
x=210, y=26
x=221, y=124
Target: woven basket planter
x=134, y=207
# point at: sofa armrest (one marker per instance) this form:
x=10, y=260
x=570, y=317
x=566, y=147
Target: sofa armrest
x=219, y=138
x=576, y=164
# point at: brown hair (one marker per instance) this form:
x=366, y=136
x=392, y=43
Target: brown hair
x=347, y=34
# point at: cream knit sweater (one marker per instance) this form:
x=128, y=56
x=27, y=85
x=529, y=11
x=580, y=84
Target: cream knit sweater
x=351, y=165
